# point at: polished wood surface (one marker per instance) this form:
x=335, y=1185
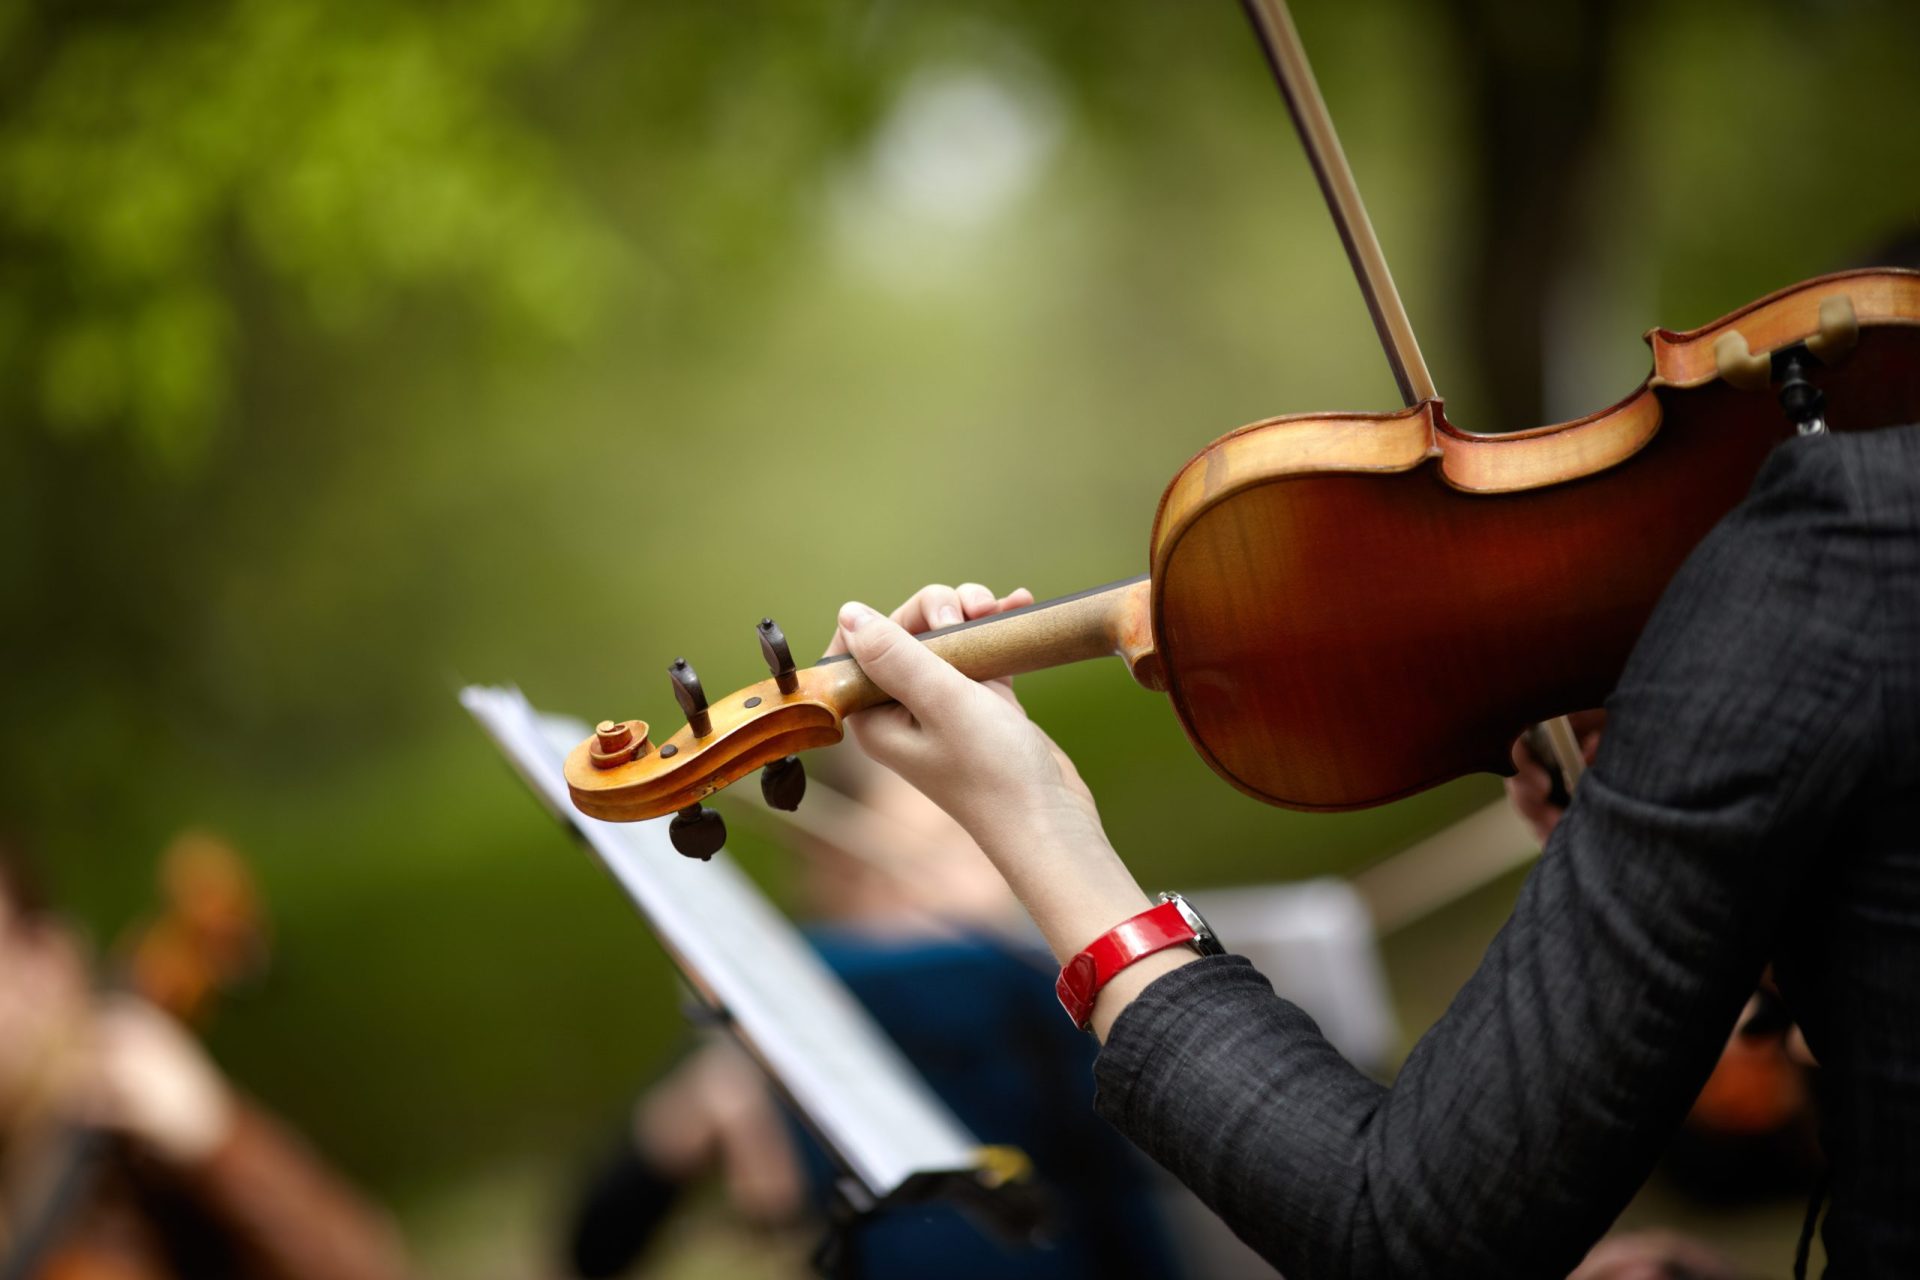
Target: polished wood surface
x=1348, y=608
x=759, y=724
x=1352, y=610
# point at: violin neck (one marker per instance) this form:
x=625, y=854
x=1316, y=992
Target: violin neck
x=1109, y=621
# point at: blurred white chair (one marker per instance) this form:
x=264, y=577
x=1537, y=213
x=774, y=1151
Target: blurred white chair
x=1314, y=940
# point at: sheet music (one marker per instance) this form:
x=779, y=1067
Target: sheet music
x=863, y=1099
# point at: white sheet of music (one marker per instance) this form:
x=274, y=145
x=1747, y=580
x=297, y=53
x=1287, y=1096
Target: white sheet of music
x=862, y=1098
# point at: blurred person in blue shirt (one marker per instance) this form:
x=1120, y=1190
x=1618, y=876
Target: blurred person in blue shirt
x=911, y=916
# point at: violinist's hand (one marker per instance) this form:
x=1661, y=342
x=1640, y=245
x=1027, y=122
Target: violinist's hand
x=1530, y=789
x=155, y=1085
x=967, y=746
x=971, y=749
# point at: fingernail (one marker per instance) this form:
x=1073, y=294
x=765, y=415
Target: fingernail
x=948, y=616
x=852, y=614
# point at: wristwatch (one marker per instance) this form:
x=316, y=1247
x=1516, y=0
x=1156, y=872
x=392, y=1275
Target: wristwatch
x=1173, y=923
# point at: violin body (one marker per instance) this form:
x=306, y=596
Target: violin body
x=1352, y=608
x=1348, y=608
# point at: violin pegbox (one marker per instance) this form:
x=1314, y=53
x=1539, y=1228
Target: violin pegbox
x=619, y=775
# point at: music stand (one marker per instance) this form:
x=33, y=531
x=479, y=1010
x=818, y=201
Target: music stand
x=893, y=1141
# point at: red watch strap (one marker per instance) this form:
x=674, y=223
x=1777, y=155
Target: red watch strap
x=1083, y=976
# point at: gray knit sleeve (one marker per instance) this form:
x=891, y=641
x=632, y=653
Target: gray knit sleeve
x=1526, y=1117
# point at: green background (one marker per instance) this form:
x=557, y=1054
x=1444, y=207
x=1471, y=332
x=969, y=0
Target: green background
x=353, y=351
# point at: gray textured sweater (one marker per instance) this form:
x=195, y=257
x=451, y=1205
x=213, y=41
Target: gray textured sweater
x=1756, y=799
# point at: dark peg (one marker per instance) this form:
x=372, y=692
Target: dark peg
x=783, y=783
x=693, y=699
x=773, y=644
x=1804, y=403
x=697, y=831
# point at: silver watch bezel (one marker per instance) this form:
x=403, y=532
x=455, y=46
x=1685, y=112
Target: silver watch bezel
x=1205, y=940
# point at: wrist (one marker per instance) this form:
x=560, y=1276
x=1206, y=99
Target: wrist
x=1102, y=979
x=1070, y=880
x=1038, y=827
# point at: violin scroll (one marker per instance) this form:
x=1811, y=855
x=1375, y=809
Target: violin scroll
x=616, y=742
x=619, y=777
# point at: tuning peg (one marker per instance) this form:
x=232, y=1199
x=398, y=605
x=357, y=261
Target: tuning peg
x=693, y=699
x=773, y=646
x=697, y=831
x=783, y=783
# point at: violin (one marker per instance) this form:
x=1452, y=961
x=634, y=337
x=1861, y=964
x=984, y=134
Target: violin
x=1343, y=609
x=209, y=934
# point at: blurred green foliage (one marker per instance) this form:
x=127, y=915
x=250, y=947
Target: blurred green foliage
x=350, y=351
x=342, y=153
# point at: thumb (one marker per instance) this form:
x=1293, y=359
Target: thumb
x=904, y=669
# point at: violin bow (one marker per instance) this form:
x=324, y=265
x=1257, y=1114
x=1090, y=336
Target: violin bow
x=1273, y=23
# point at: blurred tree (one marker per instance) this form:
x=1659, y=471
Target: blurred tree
x=1537, y=77
x=346, y=151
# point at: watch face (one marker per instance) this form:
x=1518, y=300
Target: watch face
x=1205, y=940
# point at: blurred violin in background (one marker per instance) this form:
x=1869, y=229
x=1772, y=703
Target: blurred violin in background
x=125, y=1152
x=209, y=933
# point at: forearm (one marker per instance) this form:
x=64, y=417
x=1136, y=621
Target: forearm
x=1233, y=1090
x=1075, y=887
x=1525, y=1118
x=1517, y=1129
x=1521, y=1123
